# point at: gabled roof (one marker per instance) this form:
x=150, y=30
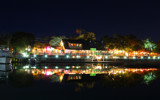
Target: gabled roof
x=86, y=45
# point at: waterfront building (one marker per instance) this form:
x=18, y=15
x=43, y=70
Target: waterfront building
x=83, y=48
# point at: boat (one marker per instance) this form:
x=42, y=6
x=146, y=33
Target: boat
x=5, y=57
x=4, y=71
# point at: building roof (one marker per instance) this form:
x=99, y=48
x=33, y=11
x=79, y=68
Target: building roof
x=86, y=45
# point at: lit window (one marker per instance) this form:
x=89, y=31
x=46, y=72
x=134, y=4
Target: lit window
x=80, y=45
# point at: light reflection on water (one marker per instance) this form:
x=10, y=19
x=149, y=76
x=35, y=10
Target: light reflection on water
x=81, y=75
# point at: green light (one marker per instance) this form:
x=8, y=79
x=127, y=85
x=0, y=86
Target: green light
x=134, y=57
x=158, y=57
x=93, y=74
x=142, y=57
x=149, y=57
x=154, y=57
x=46, y=56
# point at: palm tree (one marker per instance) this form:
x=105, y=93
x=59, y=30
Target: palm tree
x=149, y=45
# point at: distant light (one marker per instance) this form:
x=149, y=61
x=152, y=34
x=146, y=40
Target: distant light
x=106, y=67
x=149, y=57
x=77, y=67
x=67, y=67
x=52, y=48
x=125, y=57
x=154, y=57
x=88, y=57
x=106, y=57
x=25, y=67
x=25, y=54
x=45, y=67
x=35, y=55
x=56, y=67
x=34, y=67
x=78, y=56
x=158, y=57
x=61, y=44
x=46, y=56
x=142, y=57
x=134, y=57
x=115, y=57
x=99, y=57
x=67, y=56
x=56, y=56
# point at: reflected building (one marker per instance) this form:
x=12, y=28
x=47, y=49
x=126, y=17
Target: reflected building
x=4, y=72
x=78, y=72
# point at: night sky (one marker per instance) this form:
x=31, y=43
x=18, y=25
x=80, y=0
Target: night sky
x=62, y=17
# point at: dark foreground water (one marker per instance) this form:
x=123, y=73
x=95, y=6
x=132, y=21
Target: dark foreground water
x=79, y=82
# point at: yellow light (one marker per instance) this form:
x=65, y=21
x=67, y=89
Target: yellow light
x=99, y=57
x=62, y=44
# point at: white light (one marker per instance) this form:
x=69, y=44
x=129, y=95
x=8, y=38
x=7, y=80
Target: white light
x=45, y=67
x=35, y=55
x=67, y=56
x=77, y=67
x=99, y=57
x=142, y=57
x=115, y=57
x=149, y=57
x=106, y=57
x=25, y=55
x=46, y=56
x=78, y=56
x=87, y=57
x=67, y=67
x=34, y=67
x=125, y=57
x=158, y=57
x=25, y=67
x=57, y=56
x=52, y=48
x=56, y=67
x=134, y=57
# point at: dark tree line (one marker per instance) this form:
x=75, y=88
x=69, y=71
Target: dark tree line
x=17, y=41
x=130, y=43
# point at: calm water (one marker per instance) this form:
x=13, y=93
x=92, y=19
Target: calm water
x=79, y=81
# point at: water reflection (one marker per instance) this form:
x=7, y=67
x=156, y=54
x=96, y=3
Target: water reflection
x=83, y=76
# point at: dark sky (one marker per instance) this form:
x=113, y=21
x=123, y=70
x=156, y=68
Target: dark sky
x=62, y=17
